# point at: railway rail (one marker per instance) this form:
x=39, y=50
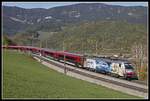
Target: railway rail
x=127, y=86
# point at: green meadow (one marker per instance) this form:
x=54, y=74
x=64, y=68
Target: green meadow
x=23, y=77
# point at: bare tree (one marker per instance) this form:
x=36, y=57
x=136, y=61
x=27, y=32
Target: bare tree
x=138, y=53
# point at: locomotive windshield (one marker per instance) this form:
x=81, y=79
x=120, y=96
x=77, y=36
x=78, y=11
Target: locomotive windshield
x=128, y=66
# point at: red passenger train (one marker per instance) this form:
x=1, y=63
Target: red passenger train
x=124, y=69
x=77, y=59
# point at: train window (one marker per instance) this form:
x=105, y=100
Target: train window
x=61, y=56
x=70, y=58
x=89, y=62
x=128, y=66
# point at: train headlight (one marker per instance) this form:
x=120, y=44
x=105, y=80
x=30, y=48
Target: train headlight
x=129, y=72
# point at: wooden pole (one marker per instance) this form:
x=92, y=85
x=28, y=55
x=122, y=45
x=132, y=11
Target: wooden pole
x=40, y=51
x=65, y=71
x=46, y=43
x=96, y=47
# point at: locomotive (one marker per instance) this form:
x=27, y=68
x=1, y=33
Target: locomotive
x=117, y=68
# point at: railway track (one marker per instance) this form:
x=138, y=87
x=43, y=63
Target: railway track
x=124, y=85
x=141, y=82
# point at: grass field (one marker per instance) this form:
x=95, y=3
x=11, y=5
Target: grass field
x=23, y=77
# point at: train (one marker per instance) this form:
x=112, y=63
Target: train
x=116, y=68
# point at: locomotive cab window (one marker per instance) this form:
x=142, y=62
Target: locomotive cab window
x=128, y=66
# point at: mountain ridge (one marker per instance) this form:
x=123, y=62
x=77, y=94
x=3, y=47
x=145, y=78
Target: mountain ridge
x=61, y=15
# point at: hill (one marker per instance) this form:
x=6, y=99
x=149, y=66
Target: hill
x=23, y=77
x=99, y=37
x=16, y=19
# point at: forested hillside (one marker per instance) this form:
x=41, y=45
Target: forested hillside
x=99, y=36
x=91, y=37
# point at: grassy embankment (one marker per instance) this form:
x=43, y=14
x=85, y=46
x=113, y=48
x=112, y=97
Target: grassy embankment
x=23, y=77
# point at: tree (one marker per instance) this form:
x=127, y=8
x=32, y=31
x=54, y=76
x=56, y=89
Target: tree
x=139, y=52
x=8, y=41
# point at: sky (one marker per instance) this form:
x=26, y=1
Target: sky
x=54, y=4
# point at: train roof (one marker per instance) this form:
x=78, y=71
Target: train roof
x=67, y=53
x=117, y=61
x=46, y=49
x=113, y=60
